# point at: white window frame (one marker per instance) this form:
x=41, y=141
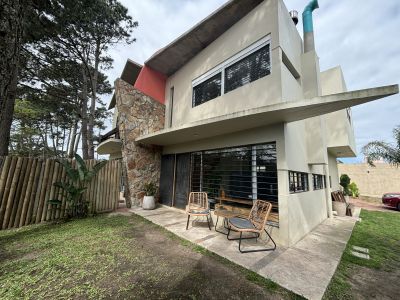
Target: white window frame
x=230, y=61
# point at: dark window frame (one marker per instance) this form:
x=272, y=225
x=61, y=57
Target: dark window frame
x=261, y=69
x=207, y=95
x=171, y=105
x=319, y=182
x=298, y=182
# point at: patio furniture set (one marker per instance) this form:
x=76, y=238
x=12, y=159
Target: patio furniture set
x=250, y=227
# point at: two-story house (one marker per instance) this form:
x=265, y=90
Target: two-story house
x=238, y=107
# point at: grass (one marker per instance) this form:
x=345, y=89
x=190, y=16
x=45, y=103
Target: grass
x=118, y=257
x=379, y=232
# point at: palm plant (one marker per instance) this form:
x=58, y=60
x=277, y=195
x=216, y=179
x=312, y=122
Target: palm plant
x=390, y=153
x=75, y=186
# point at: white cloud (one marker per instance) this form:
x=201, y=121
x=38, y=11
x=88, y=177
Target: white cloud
x=361, y=36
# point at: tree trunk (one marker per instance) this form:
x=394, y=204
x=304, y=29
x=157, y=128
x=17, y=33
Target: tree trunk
x=77, y=142
x=11, y=31
x=84, y=129
x=93, y=102
x=72, y=141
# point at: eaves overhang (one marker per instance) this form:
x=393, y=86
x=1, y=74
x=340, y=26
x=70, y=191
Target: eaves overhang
x=266, y=115
x=176, y=54
x=129, y=74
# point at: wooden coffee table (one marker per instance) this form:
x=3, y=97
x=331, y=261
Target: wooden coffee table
x=226, y=214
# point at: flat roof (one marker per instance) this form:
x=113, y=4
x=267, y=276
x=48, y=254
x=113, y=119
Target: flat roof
x=265, y=115
x=176, y=54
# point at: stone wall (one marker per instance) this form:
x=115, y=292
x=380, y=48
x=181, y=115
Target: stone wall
x=138, y=114
x=373, y=181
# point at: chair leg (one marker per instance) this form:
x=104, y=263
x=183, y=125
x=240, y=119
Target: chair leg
x=208, y=222
x=256, y=250
x=187, y=224
x=216, y=223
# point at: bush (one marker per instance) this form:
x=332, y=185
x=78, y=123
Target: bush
x=344, y=182
x=354, y=189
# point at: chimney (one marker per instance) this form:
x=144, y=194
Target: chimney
x=308, y=29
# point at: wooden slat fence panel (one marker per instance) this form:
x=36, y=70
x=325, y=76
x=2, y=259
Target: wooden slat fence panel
x=26, y=185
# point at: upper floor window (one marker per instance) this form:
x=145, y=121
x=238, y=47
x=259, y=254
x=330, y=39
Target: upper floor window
x=250, y=64
x=248, y=69
x=207, y=90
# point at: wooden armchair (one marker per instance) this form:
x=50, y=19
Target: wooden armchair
x=198, y=206
x=255, y=223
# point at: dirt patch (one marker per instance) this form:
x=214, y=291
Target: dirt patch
x=371, y=205
x=374, y=284
x=119, y=257
x=178, y=272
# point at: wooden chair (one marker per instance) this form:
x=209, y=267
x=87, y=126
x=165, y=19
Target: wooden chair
x=255, y=223
x=198, y=206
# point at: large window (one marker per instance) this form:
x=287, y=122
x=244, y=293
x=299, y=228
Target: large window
x=247, y=66
x=298, y=182
x=247, y=173
x=248, y=69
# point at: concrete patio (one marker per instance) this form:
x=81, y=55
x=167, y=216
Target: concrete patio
x=305, y=268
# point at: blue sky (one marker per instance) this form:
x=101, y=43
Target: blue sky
x=361, y=36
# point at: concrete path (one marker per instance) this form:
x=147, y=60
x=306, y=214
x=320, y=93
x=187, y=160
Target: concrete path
x=305, y=268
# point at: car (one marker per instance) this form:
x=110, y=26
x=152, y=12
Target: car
x=391, y=200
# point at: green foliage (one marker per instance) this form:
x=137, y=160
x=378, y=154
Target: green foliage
x=344, y=182
x=377, y=150
x=377, y=232
x=75, y=186
x=150, y=189
x=354, y=192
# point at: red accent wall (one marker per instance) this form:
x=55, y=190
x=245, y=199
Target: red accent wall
x=151, y=83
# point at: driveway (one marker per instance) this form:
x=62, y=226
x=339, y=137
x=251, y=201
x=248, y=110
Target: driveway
x=371, y=205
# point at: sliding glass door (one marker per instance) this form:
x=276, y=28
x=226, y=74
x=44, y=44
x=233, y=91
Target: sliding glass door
x=245, y=172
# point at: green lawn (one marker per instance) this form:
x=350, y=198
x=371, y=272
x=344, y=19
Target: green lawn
x=379, y=276
x=119, y=257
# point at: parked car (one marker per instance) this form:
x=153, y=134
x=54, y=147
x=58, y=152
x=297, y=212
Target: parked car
x=391, y=200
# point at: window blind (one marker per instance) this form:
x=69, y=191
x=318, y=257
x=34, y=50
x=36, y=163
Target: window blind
x=207, y=90
x=252, y=67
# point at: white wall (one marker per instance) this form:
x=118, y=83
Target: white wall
x=260, y=22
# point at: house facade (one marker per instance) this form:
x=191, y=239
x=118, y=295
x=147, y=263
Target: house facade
x=238, y=107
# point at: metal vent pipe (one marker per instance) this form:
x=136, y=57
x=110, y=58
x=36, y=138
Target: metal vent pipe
x=308, y=29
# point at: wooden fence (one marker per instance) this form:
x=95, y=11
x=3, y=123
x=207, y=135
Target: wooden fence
x=26, y=185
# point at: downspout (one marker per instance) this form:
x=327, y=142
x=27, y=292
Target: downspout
x=308, y=29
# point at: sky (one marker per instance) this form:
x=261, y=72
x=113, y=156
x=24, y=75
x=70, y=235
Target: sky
x=362, y=36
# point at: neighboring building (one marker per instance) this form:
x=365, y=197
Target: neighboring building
x=237, y=106
x=373, y=181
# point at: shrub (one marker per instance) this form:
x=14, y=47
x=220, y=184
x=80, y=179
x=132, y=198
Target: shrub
x=344, y=182
x=354, y=189
x=77, y=181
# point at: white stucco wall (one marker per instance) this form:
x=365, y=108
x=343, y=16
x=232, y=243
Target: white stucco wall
x=260, y=22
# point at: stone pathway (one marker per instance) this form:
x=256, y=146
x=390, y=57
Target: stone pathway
x=305, y=268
